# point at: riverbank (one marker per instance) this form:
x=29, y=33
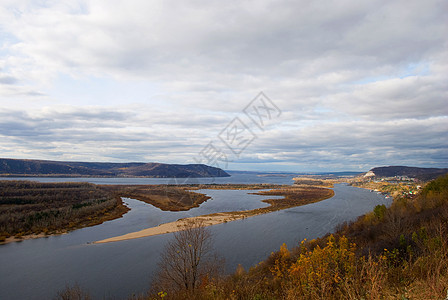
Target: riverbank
x=70, y=259
x=395, y=252
x=116, y=213
x=13, y=239
x=34, y=210
x=293, y=196
x=206, y=220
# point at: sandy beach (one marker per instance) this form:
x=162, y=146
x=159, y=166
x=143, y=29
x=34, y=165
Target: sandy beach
x=207, y=220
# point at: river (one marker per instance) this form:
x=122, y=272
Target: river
x=236, y=178
x=37, y=269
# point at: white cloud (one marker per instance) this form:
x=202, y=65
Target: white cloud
x=147, y=78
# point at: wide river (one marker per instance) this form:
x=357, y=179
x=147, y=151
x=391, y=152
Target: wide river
x=37, y=269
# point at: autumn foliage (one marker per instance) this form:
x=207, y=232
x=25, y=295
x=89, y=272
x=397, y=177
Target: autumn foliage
x=397, y=252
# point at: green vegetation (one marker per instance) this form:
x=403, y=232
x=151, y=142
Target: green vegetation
x=33, y=208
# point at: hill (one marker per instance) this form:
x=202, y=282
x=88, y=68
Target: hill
x=26, y=167
x=411, y=172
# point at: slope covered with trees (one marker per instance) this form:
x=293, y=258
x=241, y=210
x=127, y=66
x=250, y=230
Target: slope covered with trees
x=424, y=174
x=27, y=167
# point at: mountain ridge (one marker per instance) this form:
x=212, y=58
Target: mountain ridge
x=412, y=172
x=30, y=167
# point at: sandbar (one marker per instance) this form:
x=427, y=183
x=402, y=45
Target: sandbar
x=206, y=220
x=293, y=197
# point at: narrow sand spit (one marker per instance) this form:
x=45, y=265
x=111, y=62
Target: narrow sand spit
x=207, y=220
x=301, y=197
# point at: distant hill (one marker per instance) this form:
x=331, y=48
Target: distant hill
x=26, y=167
x=412, y=172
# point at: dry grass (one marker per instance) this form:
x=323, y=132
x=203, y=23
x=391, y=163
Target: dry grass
x=165, y=197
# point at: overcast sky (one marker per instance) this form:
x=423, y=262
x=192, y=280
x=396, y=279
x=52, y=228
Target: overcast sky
x=351, y=85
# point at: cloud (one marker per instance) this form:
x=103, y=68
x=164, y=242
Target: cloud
x=143, y=38
x=358, y=83
x=7, y=80
x=95, y=133
x=369, y=143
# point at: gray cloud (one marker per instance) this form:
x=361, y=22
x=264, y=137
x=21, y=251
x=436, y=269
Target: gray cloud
x=98, y=133
x=358, y=83
x=7, y=80
x=366, y=143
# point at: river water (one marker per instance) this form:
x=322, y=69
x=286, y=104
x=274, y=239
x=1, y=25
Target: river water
x=37, y=269
x=235, y=177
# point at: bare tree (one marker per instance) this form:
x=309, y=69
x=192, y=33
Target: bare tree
x=187, y=259
x=73, y=293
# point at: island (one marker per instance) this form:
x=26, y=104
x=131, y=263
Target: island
x=296, y=195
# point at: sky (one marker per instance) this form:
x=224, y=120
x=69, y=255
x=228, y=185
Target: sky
x=297, y=86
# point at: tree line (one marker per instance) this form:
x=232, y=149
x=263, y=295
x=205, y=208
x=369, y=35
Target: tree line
x=28, y=207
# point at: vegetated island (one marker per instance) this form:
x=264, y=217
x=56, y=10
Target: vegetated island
x=47, y=168
x=32, y=209
x=293, y=196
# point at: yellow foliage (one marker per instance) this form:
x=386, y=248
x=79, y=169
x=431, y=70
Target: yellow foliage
x=282, y=263
x=321, y=269
x=284, y=252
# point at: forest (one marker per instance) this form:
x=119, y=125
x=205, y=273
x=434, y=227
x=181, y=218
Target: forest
x=28, y=207
x=33, y=208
